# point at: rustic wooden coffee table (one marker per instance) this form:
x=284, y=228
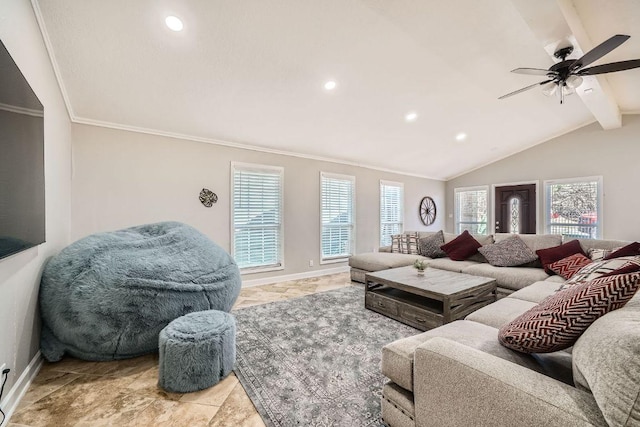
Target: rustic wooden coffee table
x=428, y=301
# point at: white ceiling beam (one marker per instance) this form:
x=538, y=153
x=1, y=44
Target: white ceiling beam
x=556, y=24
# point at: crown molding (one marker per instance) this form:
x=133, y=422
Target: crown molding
x=242, y=146
x=21, y=110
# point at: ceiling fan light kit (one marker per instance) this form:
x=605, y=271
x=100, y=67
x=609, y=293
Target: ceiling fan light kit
x=565, y=76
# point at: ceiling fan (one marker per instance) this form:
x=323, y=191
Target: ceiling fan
x=566, y=75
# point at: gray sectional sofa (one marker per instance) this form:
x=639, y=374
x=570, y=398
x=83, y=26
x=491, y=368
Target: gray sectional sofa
x=508, y=279
x=460, y=375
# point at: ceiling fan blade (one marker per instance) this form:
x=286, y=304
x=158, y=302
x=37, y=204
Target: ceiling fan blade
x=525, y=88
x=534, y=71
x=610, y=68
x=599, y=51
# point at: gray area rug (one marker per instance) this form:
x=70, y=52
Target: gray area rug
x=315, y=360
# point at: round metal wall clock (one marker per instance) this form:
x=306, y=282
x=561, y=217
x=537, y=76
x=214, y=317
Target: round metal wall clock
x=427, y=210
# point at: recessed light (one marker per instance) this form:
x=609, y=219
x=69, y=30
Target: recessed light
x=411, y=116
x=461, y=136
x=330, y=85
x=174, y=23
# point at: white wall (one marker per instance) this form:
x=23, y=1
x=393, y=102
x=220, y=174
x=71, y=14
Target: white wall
x=589, y=151
x=20, y=273
x=124, y=178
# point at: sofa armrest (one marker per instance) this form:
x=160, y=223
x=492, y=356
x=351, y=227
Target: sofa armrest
x=456, y=385
x=384, y=249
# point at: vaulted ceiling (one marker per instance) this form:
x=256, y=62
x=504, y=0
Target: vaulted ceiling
x=251, y=73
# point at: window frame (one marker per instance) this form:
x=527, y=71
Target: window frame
x=401, y=204
x=254, y=167
x=352, y=240
x=456, y=223
x=600, y=199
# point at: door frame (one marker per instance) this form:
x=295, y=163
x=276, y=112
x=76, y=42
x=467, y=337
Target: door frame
x=493, y=203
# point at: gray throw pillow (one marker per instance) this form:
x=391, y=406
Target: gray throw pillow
x=508, y=253
x=430, y=246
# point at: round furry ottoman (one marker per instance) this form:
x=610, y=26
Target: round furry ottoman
x=109, y=295
x=196, y=351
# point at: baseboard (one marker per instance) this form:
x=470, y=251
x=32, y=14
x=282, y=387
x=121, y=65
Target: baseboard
x=296, y=276
x=17, y=392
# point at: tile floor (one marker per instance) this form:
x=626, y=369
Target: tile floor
x=73, y=392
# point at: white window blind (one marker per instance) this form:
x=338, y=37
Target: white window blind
x=574, y=207
x=257, y=216
x=391, y=210
x=471, y=210
x=337, y=194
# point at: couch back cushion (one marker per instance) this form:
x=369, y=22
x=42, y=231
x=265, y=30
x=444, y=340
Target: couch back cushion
x=606, y=361
x=588, y=244
x=534, y=241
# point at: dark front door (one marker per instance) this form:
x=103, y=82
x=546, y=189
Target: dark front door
x=516, y=209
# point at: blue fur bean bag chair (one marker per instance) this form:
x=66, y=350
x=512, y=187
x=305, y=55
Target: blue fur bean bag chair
x=108, y=296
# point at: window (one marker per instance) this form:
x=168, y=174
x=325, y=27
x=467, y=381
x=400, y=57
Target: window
x=337, y=216
x=256, y=212
x=391, y=210
x=471, y=210
x=574, y=207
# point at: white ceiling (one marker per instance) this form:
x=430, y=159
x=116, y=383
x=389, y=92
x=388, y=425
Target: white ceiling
x=252, y=72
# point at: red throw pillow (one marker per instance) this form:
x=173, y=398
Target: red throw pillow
x=551, y=255
x=567, y=267
x=462, y=247
x=559, y=320
x=632, y=249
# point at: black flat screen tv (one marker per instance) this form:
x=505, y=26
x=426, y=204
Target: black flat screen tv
x=22, y=203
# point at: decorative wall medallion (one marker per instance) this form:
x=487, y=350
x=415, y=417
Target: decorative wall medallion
x=427, y=210
x=208, y=197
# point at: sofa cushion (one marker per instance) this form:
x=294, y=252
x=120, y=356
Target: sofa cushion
x=569, y=266
x=606, y=361
x=533, y=241
x=397, y=357
x=376, y=261
x=537, y=291
x=588, y=244
x=508, y=277
x=501, y=312
x=430, y=246
x=551, y=255
x=508, y=253
x=451, y=265
x=632, y=249
x=558, y=321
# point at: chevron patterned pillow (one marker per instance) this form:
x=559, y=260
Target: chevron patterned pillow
x=570, y=265
x=559, y=320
